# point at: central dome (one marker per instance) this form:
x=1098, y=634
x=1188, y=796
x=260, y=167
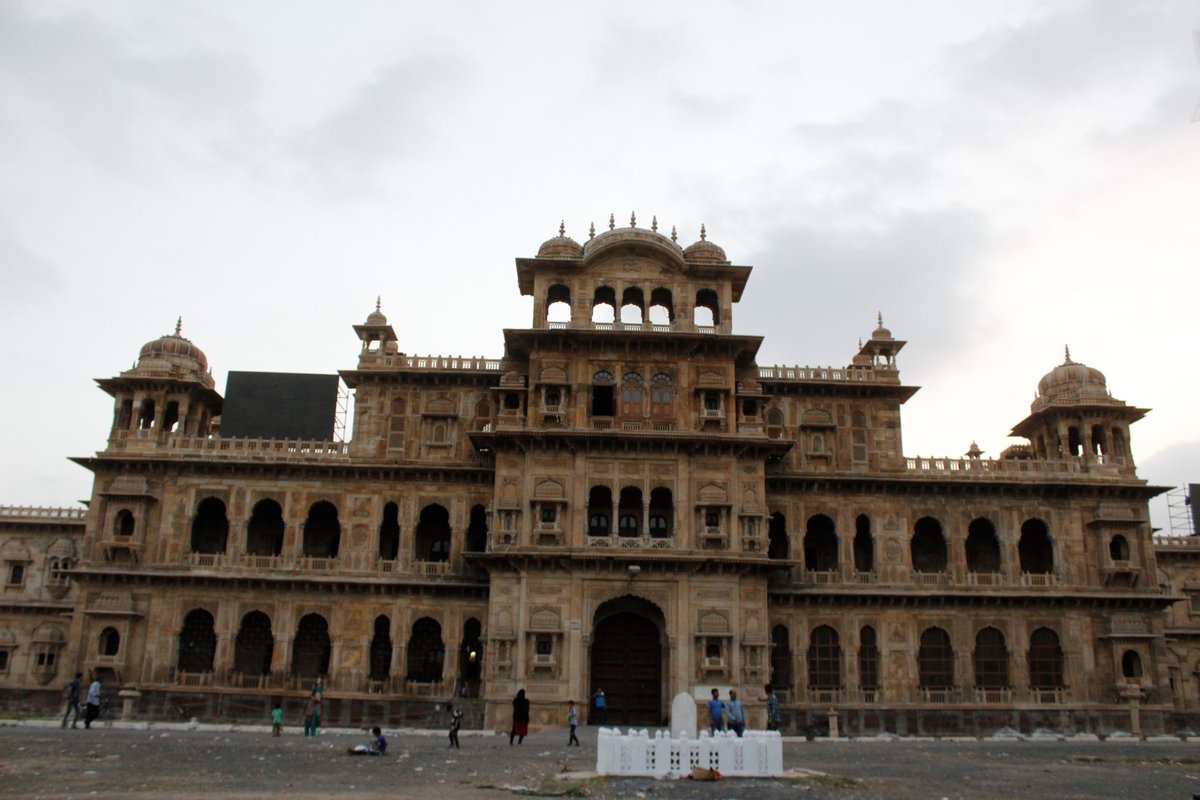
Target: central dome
x=1072, y=383
x=174, y=353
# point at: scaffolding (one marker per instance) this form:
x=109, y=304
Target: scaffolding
x=341, y=413
x=1179, y=511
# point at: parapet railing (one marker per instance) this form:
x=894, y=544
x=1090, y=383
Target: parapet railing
x=441, y=363
x=1009, y=468
x=297, y=449
x=856, y=374
x=43, y=512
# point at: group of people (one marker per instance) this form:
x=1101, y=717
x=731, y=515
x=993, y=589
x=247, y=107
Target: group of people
x=91, y=704
x=520, y=720
x=730, y=715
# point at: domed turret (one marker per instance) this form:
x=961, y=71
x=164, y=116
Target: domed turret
x=1072, y=383
x=377, y=317
x=561, y=246
x=175, y=354
x=704, y=251
x=633, y=237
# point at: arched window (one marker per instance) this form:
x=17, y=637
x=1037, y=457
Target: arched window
x=781, y=658
x=1099, y=447
x=991, y=660
x=1045, y=660
x=210, y=528
x=662, y=512
x=381, y=649
x=396, y=424
x=254, y=645
x=322, y=531
x=935, y=660
x=662, y=396
x=603, y=399
x=426, y=651
x=558, y=303
x=632, y=389
x=389, y=533
x=604, y=305
x=928, y=546
x=820, y=544
x=707, y=313
x=633, y=305
x=146, y=418
x=983, y=549
x=1035, y=549
x=477, y=530
x=433, y=534
x=124, y=523
x=1118, y=548
x=110, y=642
x=774, y=424
x=629, y=512
x=868, y=658
x=777, y=537
x=864, y=544
x=310, y=650
x=662, y=307
x=197, y=642
x=264, y=533
x=824, y=659
x=1131, y=665
x=470, y=668
x=600, y=511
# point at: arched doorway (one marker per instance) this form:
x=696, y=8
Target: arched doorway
x=627, y=659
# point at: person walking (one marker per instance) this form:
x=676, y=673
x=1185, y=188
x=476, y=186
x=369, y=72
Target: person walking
x=277, y=719
x=735, y=714
x=772, y=708
x=716, y=710
x=573, y=721
x=601, y=706
x=312, y=715
x=520, y=724
x=456, y=716
x=93, y=702
x=71, y=694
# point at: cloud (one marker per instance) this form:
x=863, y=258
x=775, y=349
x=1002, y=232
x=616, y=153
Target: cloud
x=401, y=113
x=23, y=273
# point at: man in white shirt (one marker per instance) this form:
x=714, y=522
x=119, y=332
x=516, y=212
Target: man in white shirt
x=93, y=702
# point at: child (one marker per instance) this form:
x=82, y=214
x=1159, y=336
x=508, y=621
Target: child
x=573, y=721
x=276, y=719
x=456, y=716
x=377, y=747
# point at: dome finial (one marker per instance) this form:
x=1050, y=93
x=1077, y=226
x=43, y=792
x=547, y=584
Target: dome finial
x=378, y=302
x=633, y=219
x=1067, y=354
x=592, y=231
x=674, y=235
x=612, y=222
x=654, y=223
x=879, y=318
x=562, y=227
x=178, y=325
x=703, y=233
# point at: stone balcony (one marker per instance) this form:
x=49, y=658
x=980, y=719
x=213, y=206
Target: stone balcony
x=358, y=564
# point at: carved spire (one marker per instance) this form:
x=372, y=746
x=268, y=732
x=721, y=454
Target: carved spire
x=1067, y=353
x=879, y=318
x=562, y=228
x=674, y=235
x=592, y=231
x=703, y=233
x=378, y=302
x=612, y=222
x=654, y=223
x=633, y=219
x=178, y=325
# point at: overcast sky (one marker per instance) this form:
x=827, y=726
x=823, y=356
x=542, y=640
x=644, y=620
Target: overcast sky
x=998, y=178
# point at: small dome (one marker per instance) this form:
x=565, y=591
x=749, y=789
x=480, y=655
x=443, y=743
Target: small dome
x=561, y=246
x=880, y=332
x=175, y=349
x=1071, y=382
x=704, y=251
x=376, y=317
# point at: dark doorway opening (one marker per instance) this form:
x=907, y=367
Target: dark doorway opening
x=627, y=661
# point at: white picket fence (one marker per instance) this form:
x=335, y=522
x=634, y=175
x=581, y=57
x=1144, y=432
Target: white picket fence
x=755, y=754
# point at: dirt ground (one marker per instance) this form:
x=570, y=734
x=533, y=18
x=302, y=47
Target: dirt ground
x=45, y=762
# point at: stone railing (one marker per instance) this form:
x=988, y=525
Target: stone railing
x=632, y=542
x=438, y=363
x=855, y=374
x=756, y=753
x=977, y=468
x=345, y=564
x=1166, y=542
x=265, y=449
x=42, y=512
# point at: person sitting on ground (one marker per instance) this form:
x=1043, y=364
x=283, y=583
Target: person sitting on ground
x=377, y=746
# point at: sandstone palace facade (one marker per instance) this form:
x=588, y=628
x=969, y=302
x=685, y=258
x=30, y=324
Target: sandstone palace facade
x=634, y=505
